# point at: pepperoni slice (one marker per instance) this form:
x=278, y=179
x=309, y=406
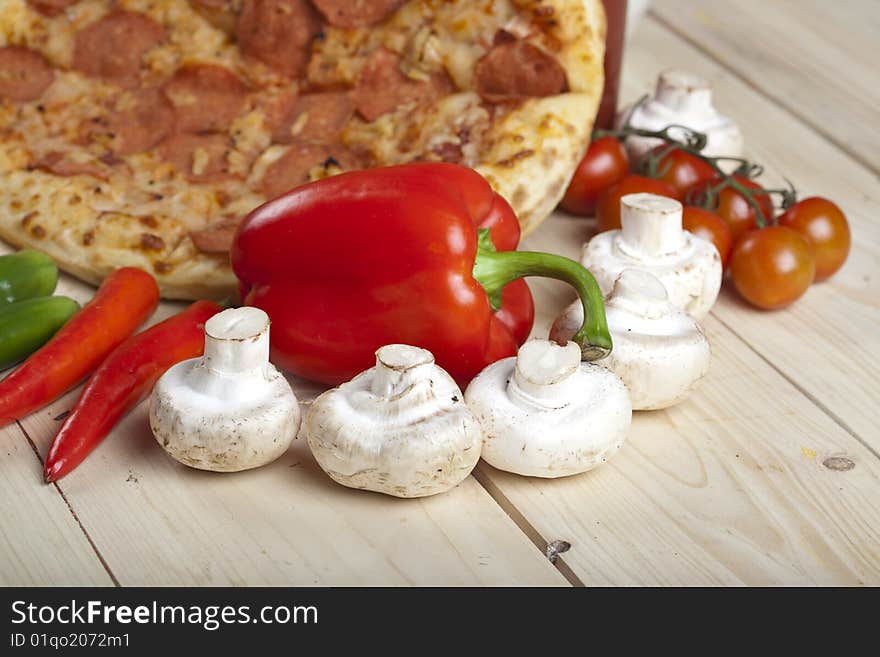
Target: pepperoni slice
x=112, y=48
x=137, y=122
x=205, y=97
x=24, y=73
x=51, y=7
x=316, y=117
x=448, y=152
x=511, y=71
x=63, y=165
x=293, y=168
x=216, y=238
x=350, y=14
x=382, y=87
x=278, y=33
x=201, y=158
x=277, y=107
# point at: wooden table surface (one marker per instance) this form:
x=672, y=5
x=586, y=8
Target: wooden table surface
x=769, y=474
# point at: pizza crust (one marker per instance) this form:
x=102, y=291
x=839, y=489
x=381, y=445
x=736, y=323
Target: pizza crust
x=90, y=243
x=535, y=151
x=538, y=146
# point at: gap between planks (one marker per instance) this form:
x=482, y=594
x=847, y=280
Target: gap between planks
x=809, y=396
x=492, y=490
x=497, y=496
x=857, y=159
x=524, y=525
x=508, y=507
x=802, y=118
x=70, y=508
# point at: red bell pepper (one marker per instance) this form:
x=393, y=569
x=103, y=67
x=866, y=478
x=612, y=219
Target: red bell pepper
x=123, y=381
x=347, y=264
x=126, y=298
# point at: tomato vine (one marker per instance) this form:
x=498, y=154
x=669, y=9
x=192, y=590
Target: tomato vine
x=691, y=141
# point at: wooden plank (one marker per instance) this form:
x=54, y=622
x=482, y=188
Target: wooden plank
x=727, y=488
x=159, y=523
x=41, y=543
x=732, y=487
x=827, y=343
x=814, y=58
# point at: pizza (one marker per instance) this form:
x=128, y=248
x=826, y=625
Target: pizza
x=139, y=132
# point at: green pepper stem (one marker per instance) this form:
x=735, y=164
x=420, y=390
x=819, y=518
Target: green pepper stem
x=495, y=269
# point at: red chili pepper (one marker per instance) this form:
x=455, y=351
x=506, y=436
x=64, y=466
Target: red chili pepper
x=347, y=264
x=123, y=302
x=123, y=381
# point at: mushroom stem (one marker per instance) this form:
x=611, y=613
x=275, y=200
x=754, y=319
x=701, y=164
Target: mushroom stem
x=684, y=92
x=237, y=342
x=544, y=369
x=650, y=224
x=495, y=269
x=641, y=293
x=398, y=368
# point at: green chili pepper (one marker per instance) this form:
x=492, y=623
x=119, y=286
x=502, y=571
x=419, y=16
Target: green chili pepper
x=27, y=325
x=25, y=275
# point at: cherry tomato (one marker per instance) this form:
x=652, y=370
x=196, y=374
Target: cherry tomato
x=608, y=206
x=736, y=211
x=604, y=164
x=772, y=267
x=826, y=227
x=683, y=171
x=709, y=226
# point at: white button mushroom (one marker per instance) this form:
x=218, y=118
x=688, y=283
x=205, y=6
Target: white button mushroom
x=400, y=428
x=651, y=238
x=547, y=414
x=660, y=352
x=685, y=99
x=229, y=410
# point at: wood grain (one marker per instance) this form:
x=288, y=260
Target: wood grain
x=769, y=474
x=726, y=488
x=829, y=338
x=160, y=523
x=720, y=490
x=731, y=487
x=40, y=541
x=816, y=59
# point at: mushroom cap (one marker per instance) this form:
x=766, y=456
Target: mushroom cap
x=659, y=371
x=681, y=98
x=223, y=424
x=574, y=424
x=400, y=428
x=687, y=265
x=229, y=410
x=660, y=352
